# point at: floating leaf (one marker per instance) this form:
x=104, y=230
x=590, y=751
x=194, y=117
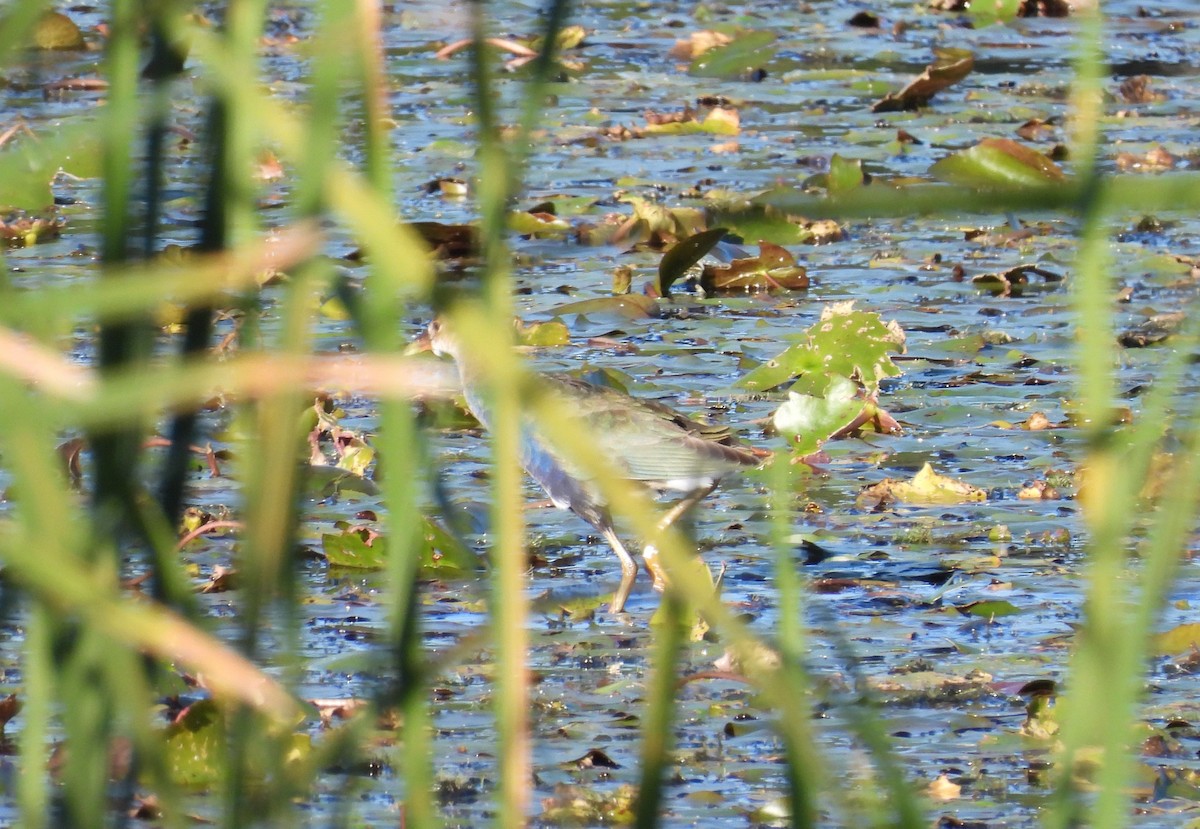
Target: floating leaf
x=773, y=269
x=736, y=58
x=541, y=334
x=1013, y=281
x=448, y=241
x=538, y=225
x=362, y=548
x=811, y=419
x=684, y=254
x=625, y=306
x=718, y=121
x=1152, y=331
x=1178, y=639
x=844, y=175
x=697, y=44
x=354, y=548
x=56, y=31
x=329, y=480
x=27, y=167
x=998, y=162
x=951, y=66
x=988, y=609
x=844, y=342
x=994, y=11
x=926, y=487
x=194, y=746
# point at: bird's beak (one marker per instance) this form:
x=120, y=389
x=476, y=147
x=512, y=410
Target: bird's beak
x=420, y=345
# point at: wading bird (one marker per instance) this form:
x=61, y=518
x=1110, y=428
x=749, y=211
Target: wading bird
x=646, y=441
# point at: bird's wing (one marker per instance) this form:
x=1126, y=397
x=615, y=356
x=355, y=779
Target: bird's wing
x=650, y=441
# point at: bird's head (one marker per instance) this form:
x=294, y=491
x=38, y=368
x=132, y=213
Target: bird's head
x=436, y=338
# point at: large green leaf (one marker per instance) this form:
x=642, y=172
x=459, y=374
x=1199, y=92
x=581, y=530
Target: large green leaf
x=741, y=55
x=29, y=165
x=844, y=342
x=998, y=162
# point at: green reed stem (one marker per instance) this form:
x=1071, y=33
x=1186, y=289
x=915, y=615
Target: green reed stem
x=805, y=774
x=1093, y=718
x=499, y=177
x=658, y=721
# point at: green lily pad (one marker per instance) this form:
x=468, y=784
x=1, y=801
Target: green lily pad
x=739, y=56
x=55, y=31
x=28, y=166
x=998, y=162
x=845, y=343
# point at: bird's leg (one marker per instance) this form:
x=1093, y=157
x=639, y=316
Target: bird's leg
x=677, y=511
x=629, y=568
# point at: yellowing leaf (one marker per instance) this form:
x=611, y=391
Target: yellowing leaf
x=1178, y=639
x=926, y=487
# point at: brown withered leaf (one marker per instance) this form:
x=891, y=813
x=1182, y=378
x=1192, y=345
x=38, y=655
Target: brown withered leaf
x=21, y=231
x=1038, y=491
x=951, y=66
x=595, y=758
x=221, y=580
x=822, y=232
x=1035, y=129
x=774, y=269
x=1038, y=422
x=10, y=706
x=943, y=788
x=448, y=241
x=1154, y=160
x=1154, y=330
x=697, y=44
x=1136, y=90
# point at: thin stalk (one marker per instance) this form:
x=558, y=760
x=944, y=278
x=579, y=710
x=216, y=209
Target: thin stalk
x=376, y=112
x=659, y=717
x=804, y=771
x=38, y=674
x=116, y=452
x=1106, y=654
x=401, y=447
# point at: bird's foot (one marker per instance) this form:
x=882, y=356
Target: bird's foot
x=657, y=572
